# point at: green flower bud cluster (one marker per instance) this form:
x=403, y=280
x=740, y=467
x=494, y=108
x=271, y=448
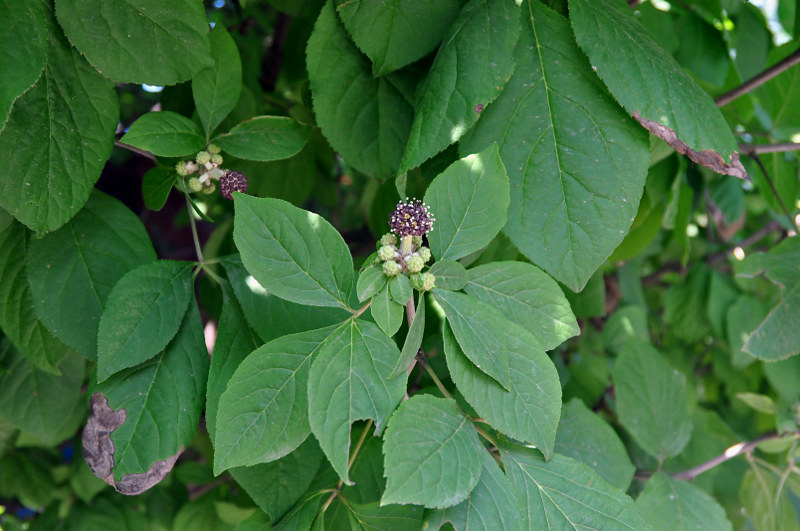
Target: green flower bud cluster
x=207, y=167
x=407, y=257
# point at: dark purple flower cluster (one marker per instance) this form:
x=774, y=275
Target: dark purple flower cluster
x=411, y=218
x=232, y=181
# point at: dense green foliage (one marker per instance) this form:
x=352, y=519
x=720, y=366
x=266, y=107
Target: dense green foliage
x=600, y=330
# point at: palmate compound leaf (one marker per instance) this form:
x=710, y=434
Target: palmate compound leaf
x=263, y=414
x=57, y=137
x=490, y=506
x=350, y=381
x=652, y=87
x=71, y=271
x=139, y=41
x=529, y=411
x=673, y=504
x=470, y=202
x=162, y=401
x=527, y=296
x=432, y=455
x=293, y=253
x=471, y=68
x=396, y=33
x=142, y=314
x=564, y=494
x=651, y=400
x=576, y=163
x=351, y=106
x=22, y=41
x=776, y=337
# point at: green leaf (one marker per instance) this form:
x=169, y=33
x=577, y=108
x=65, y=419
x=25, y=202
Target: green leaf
x=351, y=106
x=394, y=34
x=530, y=409
x=491, y=505
x=759, y=402
x=777, y=337
x=371, y=280
x=378, y=517
x=470, y=201
x=263, y=414
x=349, y=381
x=651, y=400
x=265, y=138
x=470, y=70
x=573, y=157
x=432, y=455
x=18, y=318
x=235, y=340
x=292, y=252
x=57, y=138
x=216, y=89
x=670, y=103
x=162, y=398
x=302, y=515
x=779, y=95
x=400, y=289
x=165, y=133
x=745, y=314
x=71, y=271
x=142, y=314
x=413, y=339
x=481, y=331
x=156, y=185
x=564, y=494
x=35, y=401
x=139, y=41
x=449, y=274
x=387, y=314
x=586, y=437
x=270, y=316
x=23, y=43
x=276, y=486
x=527, y=296
x=764, y=506
x=671, y=504
x=684, y=305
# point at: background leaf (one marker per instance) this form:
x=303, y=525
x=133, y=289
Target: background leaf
x=72, y=271
x=572, y=155
x=216, y=89
x=394, y=34
x=469, y=201
x=162, y=398
x=424, y=437
x=350, y=105
x=264, y=138
x=142, y=314
x=349, y=381
x=670, y=503
x=165, y=133
x=57, y=138
x=651, y=400
x=471, y=68
x=139, y=41
x=527, y=296
x=295, y=254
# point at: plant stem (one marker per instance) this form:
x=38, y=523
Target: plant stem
x=411, y=313
x=758, y=79
x=772, y=187
x=196, y=239
x=435, y=379
x=350, y=462
x=362, y=309
x=142, y=152
x=780, y=147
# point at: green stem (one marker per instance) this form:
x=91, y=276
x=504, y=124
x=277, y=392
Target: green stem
x=196, y=239
x=356, y=449
x=435, y=379
x=361, y=310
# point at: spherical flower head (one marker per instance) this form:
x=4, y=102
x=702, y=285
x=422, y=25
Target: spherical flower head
x=181, y=168
x=428, y=281
x=416, y=241
x=385, y=253
x=232, y=181
x=216, y=158
x=210, y=189
x=425, y=253
x=411, y=218
x=203, y=157
x=195, y=185
x=415, y=263
x=213, y=149
x=388, y=239
x=391, y=269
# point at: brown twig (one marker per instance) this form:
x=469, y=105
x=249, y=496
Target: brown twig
x=772, y=187
x=142, y=152
x=758, y=79
x=755, y=149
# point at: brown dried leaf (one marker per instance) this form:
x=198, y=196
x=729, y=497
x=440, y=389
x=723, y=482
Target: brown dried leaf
x=708, y=157
x=98, y=450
